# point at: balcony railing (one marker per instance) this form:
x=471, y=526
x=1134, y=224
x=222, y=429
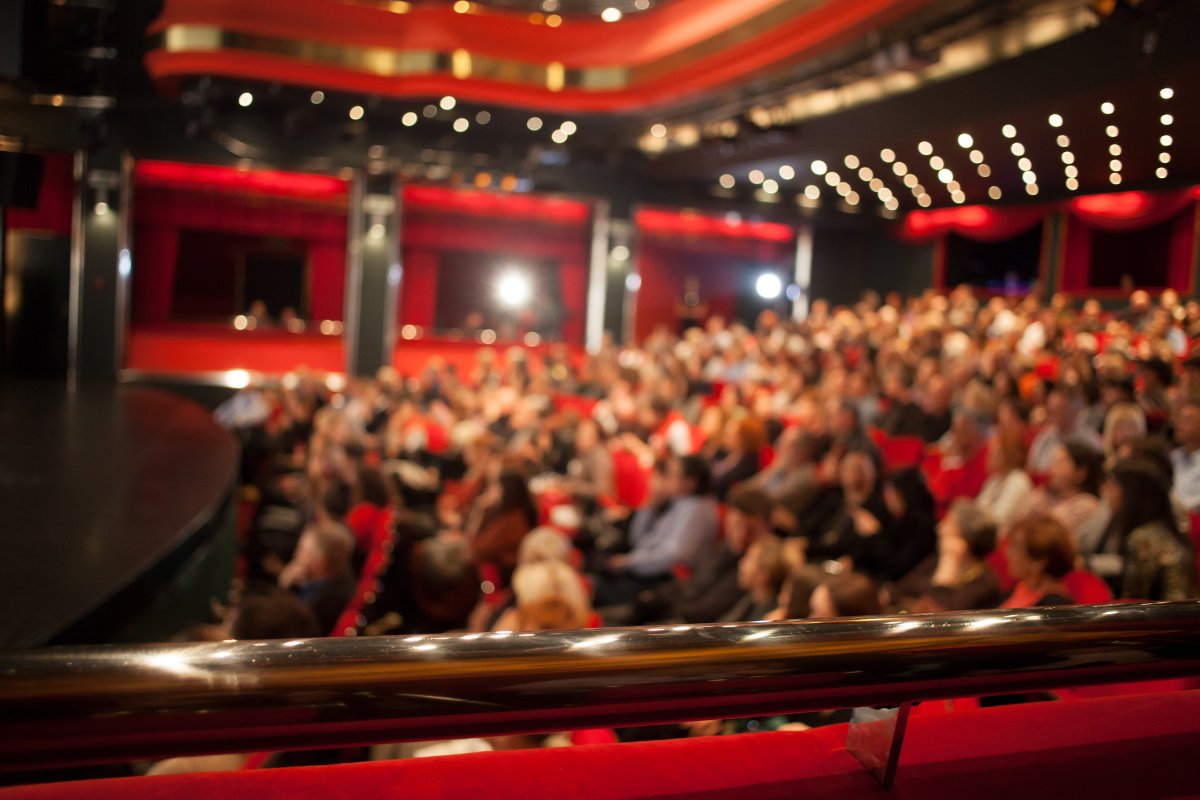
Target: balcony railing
x=62, y=706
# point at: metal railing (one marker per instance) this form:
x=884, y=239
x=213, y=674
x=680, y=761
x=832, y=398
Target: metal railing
x=61, y=706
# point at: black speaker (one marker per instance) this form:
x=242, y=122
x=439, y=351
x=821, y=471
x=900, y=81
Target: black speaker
x=20, y=179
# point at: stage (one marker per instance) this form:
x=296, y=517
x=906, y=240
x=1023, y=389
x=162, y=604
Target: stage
x=116, y=513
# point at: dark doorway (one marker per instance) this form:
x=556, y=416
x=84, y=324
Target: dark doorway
x=1145, y=255
x=1008, y=265
x=277, y=280
x=37, y=300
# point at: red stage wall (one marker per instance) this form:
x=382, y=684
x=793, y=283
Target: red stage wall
x=438, y=221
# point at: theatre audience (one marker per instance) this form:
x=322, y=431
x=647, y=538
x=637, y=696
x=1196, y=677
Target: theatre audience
x=1072, y=485
x=761, y=573
x=1063, y=408
x=1006, y=491
x=1040, y=554
x=320, y=571
x=958, y=577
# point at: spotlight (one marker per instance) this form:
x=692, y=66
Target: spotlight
x=246, y=99
x=1018, y=149
x=461, y=124
x=1009, y=131
x=610, y=14
x=768, y=286
x=409, y=119
x=317, y=98
x=1111, y=130
x=852, y=162
x=559, y=136
x=356, y=112
x=756, y=176
x=936, y=162
x=483, y=117
x=819, y=168
x=513, y=289
x=976, y=157
x=925, y=148
x=620, y=253
x=568, y=127
x=965, y=140
x=447, y=103
x=1166, y=119
x=1161, y=172
x=770, y=187
x=1056, y=121
x=1072, y=184
x=658, y=130
x=786, y=172
x=1107, y=108
x=887, y=155
x=101, y=208
x=812, y=192
x=1063, y=141
x=1167, y=93
x=994, y=192
x=534, y=124
x=429, y=111
x=728, y=181
x=1165, y=140
x=793, y=292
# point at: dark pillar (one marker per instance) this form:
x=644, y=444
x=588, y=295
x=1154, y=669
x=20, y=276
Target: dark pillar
x=379, y=275
x=99, y=235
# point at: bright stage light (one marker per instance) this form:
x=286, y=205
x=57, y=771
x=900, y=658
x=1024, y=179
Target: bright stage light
x=768, y=286
x=513, y=289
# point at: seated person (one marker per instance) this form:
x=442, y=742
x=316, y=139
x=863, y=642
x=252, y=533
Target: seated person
x=743, y=439
x=791, y=479
x=549, y=596
x=850, y=594
x=675, y=528
x=910, y=538
x=761, y=574
x=712, y=588
x=847, y=516
x=502, y=516
x=1072, y=484
x=1041, y=551
x=957, y=577
x=320, y=571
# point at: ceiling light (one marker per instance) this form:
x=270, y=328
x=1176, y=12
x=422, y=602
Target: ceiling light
x=832, y=178
x=483, y=117
x=728, y=181
x=610, y=14
x=768, y=285
x=853, y=198
x=1031, y=188
x=462, y=6
x=984, y=170
x=1114, y=165
x=1111, y=130
x=887, y=155
x=1024, y=164
x=936, y=162
x=409, y=119
x=641, y=5
x=770, y=186
x=812, y=192
x=899, y=168
x=559, y=136
x=818, y=167
x=891, y=204
x=1164, y=157
x=843, y=188
x=851, y=162
x=1028, y=177
x=885, y=194
x=1063, y=140
x=1072, y=184
x=246, y=99
x=513, y=288
x=1107, y=108
x=356, y=112
x=535, y=124
x=554, y=20
x=447, y=103
x=953, y=186
x=1018, y=149
x=965, y=140
x=1009, y=131
x=1068, y=157
x=924, y=200
x=429, y=111
x=1114, y=149
x=1165, y=140
x=1056, y=121
x=756, y=176
x=924, y=148
x=918, y=190
x=568, y=127
x=786, y=172
x=945, y=175
x=1072, y=172
x=875, y=184
x=317, y=98
x=1166, y=119
x=1161, y=172
x=957, y=197
x=1115, y=178
x=865, y=174
x=1166, y=93
x=994, y=192
x=461, y=124
x=910, y=180
x=658, y=130
x=976, y=157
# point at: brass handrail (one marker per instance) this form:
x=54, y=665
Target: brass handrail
x=61, y=706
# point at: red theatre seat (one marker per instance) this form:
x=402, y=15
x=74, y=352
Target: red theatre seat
x=1119, y=747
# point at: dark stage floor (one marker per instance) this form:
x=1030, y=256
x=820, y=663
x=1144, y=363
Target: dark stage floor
x=107, y=497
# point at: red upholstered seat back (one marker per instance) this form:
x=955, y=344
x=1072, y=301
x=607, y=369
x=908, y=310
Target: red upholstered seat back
x=1086, y=588
x=632, y=481
x=901, y=451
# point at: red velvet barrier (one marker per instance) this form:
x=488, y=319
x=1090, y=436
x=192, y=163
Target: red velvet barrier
x=1119, y=748
x=56, y=199
x=208, y=348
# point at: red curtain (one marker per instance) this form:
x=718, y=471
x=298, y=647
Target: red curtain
x=1140, y=213
x=980, y=223
x=1131, y=211
x=327, y=279
x=156, y=247
x=572, y=278
x=418, y=287
x=56, y=199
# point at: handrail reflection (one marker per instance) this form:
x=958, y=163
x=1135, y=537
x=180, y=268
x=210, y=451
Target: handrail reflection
x=62, y=706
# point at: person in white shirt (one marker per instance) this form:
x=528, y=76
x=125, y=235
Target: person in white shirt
x=1008, y=487
x=1063, y=407
x=1186, y=458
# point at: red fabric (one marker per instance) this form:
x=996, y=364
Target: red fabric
x=56, y=199
x=490, y=204
x=901, y=451
x=210, y=348
x=948, y=484
x=1076, y=274
x=363, y=520
x=1139, y=746
x=673, y=224
x=572, y=277
x=206, y=177
x=418, y=288
x=980, y=223
x=156, y=248
x=632, y=481
x=1086, y=588
x=1131, y=211
x=327, y=279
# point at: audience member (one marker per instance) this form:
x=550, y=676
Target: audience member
x=320, y=571
x=1063, y=423
x=1040, y=554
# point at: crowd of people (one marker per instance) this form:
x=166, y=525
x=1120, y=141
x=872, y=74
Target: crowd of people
x=936, y=453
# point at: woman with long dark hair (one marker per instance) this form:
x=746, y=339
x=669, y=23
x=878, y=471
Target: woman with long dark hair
x=505, y=513
x=1159, y=562
x=912, y=536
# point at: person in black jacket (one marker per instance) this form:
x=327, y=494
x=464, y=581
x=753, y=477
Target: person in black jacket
x=898, y=548
x=712, y=589
x=849, y=515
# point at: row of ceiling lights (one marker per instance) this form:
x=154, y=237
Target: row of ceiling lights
x=610, y=14
x=447, y=103
x=944, y=174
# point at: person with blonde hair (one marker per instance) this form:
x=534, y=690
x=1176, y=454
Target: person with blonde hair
x=550, y=596
x=1124, y=423
x=544, y=544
